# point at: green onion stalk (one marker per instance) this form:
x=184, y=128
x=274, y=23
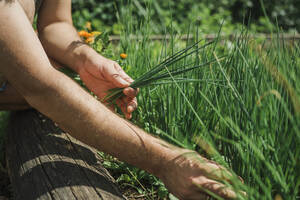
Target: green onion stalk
x=160, y=73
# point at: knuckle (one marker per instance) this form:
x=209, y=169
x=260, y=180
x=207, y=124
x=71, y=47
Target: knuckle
x=136, y=91
x=110, y=63
x=115, y=64
x=115, y=75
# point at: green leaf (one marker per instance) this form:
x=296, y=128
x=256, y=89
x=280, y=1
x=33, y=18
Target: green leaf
x=107, y=164
x=124, y=177
x=86, y=14
x=162, y=192
x=172, y=197
x=99, y=46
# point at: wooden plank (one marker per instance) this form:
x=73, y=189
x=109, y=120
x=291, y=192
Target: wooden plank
x=46, y=163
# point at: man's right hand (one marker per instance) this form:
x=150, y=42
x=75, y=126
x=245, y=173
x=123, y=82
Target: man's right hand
x=189, y=175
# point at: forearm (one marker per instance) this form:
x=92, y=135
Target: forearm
x=27, y=68
x=88, y=120
x=57, y=34
x=62, y=43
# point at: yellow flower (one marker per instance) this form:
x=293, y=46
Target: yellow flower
x=90, y=40
x=123, y=55
x=88, y=25
x=96, y=33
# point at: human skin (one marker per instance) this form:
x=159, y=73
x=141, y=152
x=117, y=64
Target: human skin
x=26, y=66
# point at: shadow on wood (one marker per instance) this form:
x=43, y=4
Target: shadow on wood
x=46, y=163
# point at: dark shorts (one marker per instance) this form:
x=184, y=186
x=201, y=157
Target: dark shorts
x=3, y=86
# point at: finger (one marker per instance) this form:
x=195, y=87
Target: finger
x=122, y=73
x=213, y=187
x=111, y=74
x=122, y=105
x=132, y=105
x=214, y=170
x=128, y=116
x=219, y=173
x=130, y=92
x=109, y=105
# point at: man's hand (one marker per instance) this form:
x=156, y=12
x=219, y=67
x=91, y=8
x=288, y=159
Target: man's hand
x=100, y=74
x=189, y=176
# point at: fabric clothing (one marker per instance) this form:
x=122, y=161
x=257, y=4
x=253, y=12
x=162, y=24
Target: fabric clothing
x=38, y=4
x=3, y=86
x=3, y=83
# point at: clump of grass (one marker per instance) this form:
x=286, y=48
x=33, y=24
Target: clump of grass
x=242, y=112
x=160, y=74
x=244, y=108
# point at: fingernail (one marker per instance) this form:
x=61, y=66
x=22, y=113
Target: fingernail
x=129, y=109
x=124, y=82
x=130, y=80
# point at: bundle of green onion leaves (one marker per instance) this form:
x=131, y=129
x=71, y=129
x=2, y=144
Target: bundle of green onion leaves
x=165, y=72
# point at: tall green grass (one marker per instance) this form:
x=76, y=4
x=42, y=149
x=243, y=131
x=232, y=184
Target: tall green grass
x=243, y=112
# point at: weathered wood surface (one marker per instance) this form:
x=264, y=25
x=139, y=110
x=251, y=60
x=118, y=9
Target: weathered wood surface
x=45, y=163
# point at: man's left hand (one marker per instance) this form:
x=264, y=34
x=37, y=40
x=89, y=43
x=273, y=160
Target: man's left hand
x=100, y=74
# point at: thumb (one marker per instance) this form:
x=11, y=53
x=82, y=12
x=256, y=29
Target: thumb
x=113, y=75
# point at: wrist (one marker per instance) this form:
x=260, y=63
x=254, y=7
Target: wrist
x=165, y=154
x=172, y=162
x=81, y=54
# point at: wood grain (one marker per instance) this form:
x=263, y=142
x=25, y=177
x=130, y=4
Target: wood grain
x=46, y=163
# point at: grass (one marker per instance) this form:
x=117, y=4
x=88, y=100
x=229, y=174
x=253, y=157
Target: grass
x=242, y=112
x=160, y=74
